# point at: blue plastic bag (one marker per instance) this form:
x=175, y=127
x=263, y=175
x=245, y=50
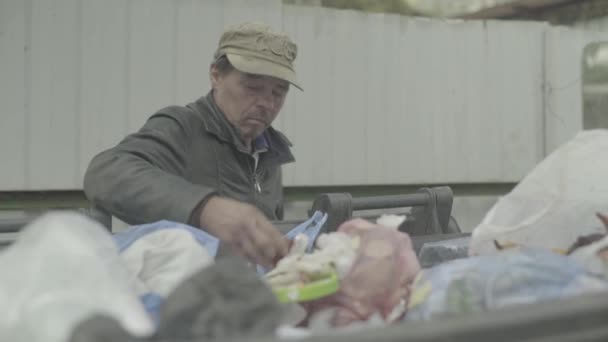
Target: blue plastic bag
x=311, y=228
x=486, y=283
x=153, y=301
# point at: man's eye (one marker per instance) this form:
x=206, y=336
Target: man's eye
x=253, y=87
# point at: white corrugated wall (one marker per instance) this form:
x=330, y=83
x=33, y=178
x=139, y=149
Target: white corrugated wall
x=399, y=100
x=388, y=100
x=77, y=75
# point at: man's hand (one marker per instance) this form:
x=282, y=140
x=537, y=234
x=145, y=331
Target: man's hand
x=245, y=229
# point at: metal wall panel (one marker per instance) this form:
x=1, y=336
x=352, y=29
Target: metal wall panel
x=152, y=38
x=105, y=77
x=399, y=100
x=388, y=99
x=197, y=39
x=563, y=91
x=55, y=94
x=14, y=93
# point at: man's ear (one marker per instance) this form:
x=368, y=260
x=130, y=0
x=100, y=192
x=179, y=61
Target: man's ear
x=214, y=76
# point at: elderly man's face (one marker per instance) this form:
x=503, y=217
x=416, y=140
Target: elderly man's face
x=250, y=102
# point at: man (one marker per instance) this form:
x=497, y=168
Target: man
x=215, y=163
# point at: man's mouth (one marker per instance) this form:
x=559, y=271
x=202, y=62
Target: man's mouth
x=256, y=121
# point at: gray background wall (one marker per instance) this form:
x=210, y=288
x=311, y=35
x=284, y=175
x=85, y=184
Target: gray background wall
x=389, y=100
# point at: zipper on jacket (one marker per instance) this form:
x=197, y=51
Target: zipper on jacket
x=256, y=181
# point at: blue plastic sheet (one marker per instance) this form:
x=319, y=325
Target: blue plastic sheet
x=485, y=283
x=311, y=228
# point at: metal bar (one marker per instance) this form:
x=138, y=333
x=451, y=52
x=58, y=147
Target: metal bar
x=583, y=318
x=13, y=225
x=392, y=201
x=514, y=9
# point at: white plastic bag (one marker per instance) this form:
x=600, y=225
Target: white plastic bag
x=555, y=203
x=63, y=269
x=594, y=257
x=163, y=254
x=161, y=260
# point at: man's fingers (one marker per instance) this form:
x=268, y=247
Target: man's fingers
x=282, y=244
x=251, y=252
x=275, y=239
x=246, y=228
x=262, y=242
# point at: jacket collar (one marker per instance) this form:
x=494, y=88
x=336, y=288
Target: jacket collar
x=215, y=122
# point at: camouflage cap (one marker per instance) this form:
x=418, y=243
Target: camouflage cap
x=254, y=48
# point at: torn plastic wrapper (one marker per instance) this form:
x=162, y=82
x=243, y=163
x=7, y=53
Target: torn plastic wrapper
x=378, y=281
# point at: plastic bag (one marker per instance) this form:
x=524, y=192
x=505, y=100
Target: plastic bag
x=555, y=203
x=64, y=268
x=162, y=255
x=378, y=281
x=311, y=228
x=594, y=257
x=223, y=302
x=489, y=282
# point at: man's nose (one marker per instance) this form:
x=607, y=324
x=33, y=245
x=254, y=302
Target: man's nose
x=266, y=102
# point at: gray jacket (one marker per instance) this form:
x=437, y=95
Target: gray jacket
x=180, y=157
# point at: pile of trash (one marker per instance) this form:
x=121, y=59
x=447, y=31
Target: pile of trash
x=68, y=279
x=374, y=265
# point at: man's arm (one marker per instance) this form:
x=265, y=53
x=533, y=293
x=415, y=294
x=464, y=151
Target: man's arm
x=142, y=179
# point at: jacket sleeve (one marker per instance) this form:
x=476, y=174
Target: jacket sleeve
x=142, y=179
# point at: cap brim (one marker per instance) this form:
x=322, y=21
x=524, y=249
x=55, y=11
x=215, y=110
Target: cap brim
x=259, y=66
